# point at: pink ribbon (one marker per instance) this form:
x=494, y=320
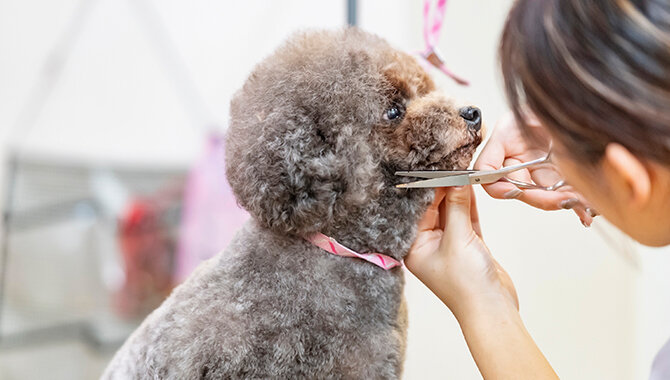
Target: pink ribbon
x=431, y=34
x=331, y=245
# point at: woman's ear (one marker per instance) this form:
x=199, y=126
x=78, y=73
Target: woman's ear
x=630, y=170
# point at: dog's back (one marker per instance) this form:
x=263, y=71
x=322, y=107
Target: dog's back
x=272, y=307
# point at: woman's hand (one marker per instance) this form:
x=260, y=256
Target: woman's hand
x=450, y=257
x=508, y=147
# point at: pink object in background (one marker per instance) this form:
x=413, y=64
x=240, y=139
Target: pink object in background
x=210, y=214
x=431, y=34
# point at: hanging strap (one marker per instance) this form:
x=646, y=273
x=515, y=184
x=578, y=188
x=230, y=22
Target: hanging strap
x=432, y=26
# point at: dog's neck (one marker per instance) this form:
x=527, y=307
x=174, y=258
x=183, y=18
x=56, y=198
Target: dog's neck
x=386, y=224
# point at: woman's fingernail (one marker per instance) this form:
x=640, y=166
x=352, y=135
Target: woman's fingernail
x=593, y=213
x=585, y=224
x=513, y=194
x=568, y=203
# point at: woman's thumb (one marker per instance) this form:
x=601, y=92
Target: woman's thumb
x=456, y=212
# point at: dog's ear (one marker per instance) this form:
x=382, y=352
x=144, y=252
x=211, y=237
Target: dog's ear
x=293, y=174
x=298, y=156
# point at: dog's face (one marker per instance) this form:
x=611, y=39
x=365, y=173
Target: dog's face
x=420, y=129
x=320, y=127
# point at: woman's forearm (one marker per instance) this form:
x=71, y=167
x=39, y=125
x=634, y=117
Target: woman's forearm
x=501, y=345
x=451, y=259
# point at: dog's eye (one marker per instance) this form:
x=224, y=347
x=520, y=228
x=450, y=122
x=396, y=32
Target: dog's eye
x=393, y=113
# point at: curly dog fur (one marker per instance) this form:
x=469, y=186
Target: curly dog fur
x=313, y=144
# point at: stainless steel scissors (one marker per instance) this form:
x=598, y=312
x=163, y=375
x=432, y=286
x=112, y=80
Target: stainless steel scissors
x=446, y=178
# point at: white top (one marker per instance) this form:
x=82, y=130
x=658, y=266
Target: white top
x=660, y=370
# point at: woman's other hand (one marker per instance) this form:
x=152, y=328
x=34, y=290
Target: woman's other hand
x=450, y=257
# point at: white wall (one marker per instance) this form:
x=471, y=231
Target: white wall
x=591, y=311
x=118, y=98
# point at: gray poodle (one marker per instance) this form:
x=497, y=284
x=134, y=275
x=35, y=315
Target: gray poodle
x=316, y=134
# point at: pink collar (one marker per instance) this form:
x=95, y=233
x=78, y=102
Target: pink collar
x=331, y=245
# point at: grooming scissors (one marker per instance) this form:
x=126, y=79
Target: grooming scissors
x=446, y=178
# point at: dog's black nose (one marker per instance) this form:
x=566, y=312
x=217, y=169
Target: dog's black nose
x=473, y=117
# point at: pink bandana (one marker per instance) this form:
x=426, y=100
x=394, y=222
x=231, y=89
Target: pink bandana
x=331, y=245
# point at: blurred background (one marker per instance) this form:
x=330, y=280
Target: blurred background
x=111, y=113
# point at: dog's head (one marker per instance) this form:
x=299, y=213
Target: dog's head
x=320, y=127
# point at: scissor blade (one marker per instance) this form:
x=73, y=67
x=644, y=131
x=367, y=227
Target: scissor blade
x=432, y=173
x=455, y=180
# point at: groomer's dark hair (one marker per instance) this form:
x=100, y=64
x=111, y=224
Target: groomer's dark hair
x=593, y=72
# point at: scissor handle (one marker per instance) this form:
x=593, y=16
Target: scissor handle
x=534, y=186
x=523, y=165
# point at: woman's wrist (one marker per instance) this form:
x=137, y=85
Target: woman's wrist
x=465, y=294
x=472, y=308
x=497, y=338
